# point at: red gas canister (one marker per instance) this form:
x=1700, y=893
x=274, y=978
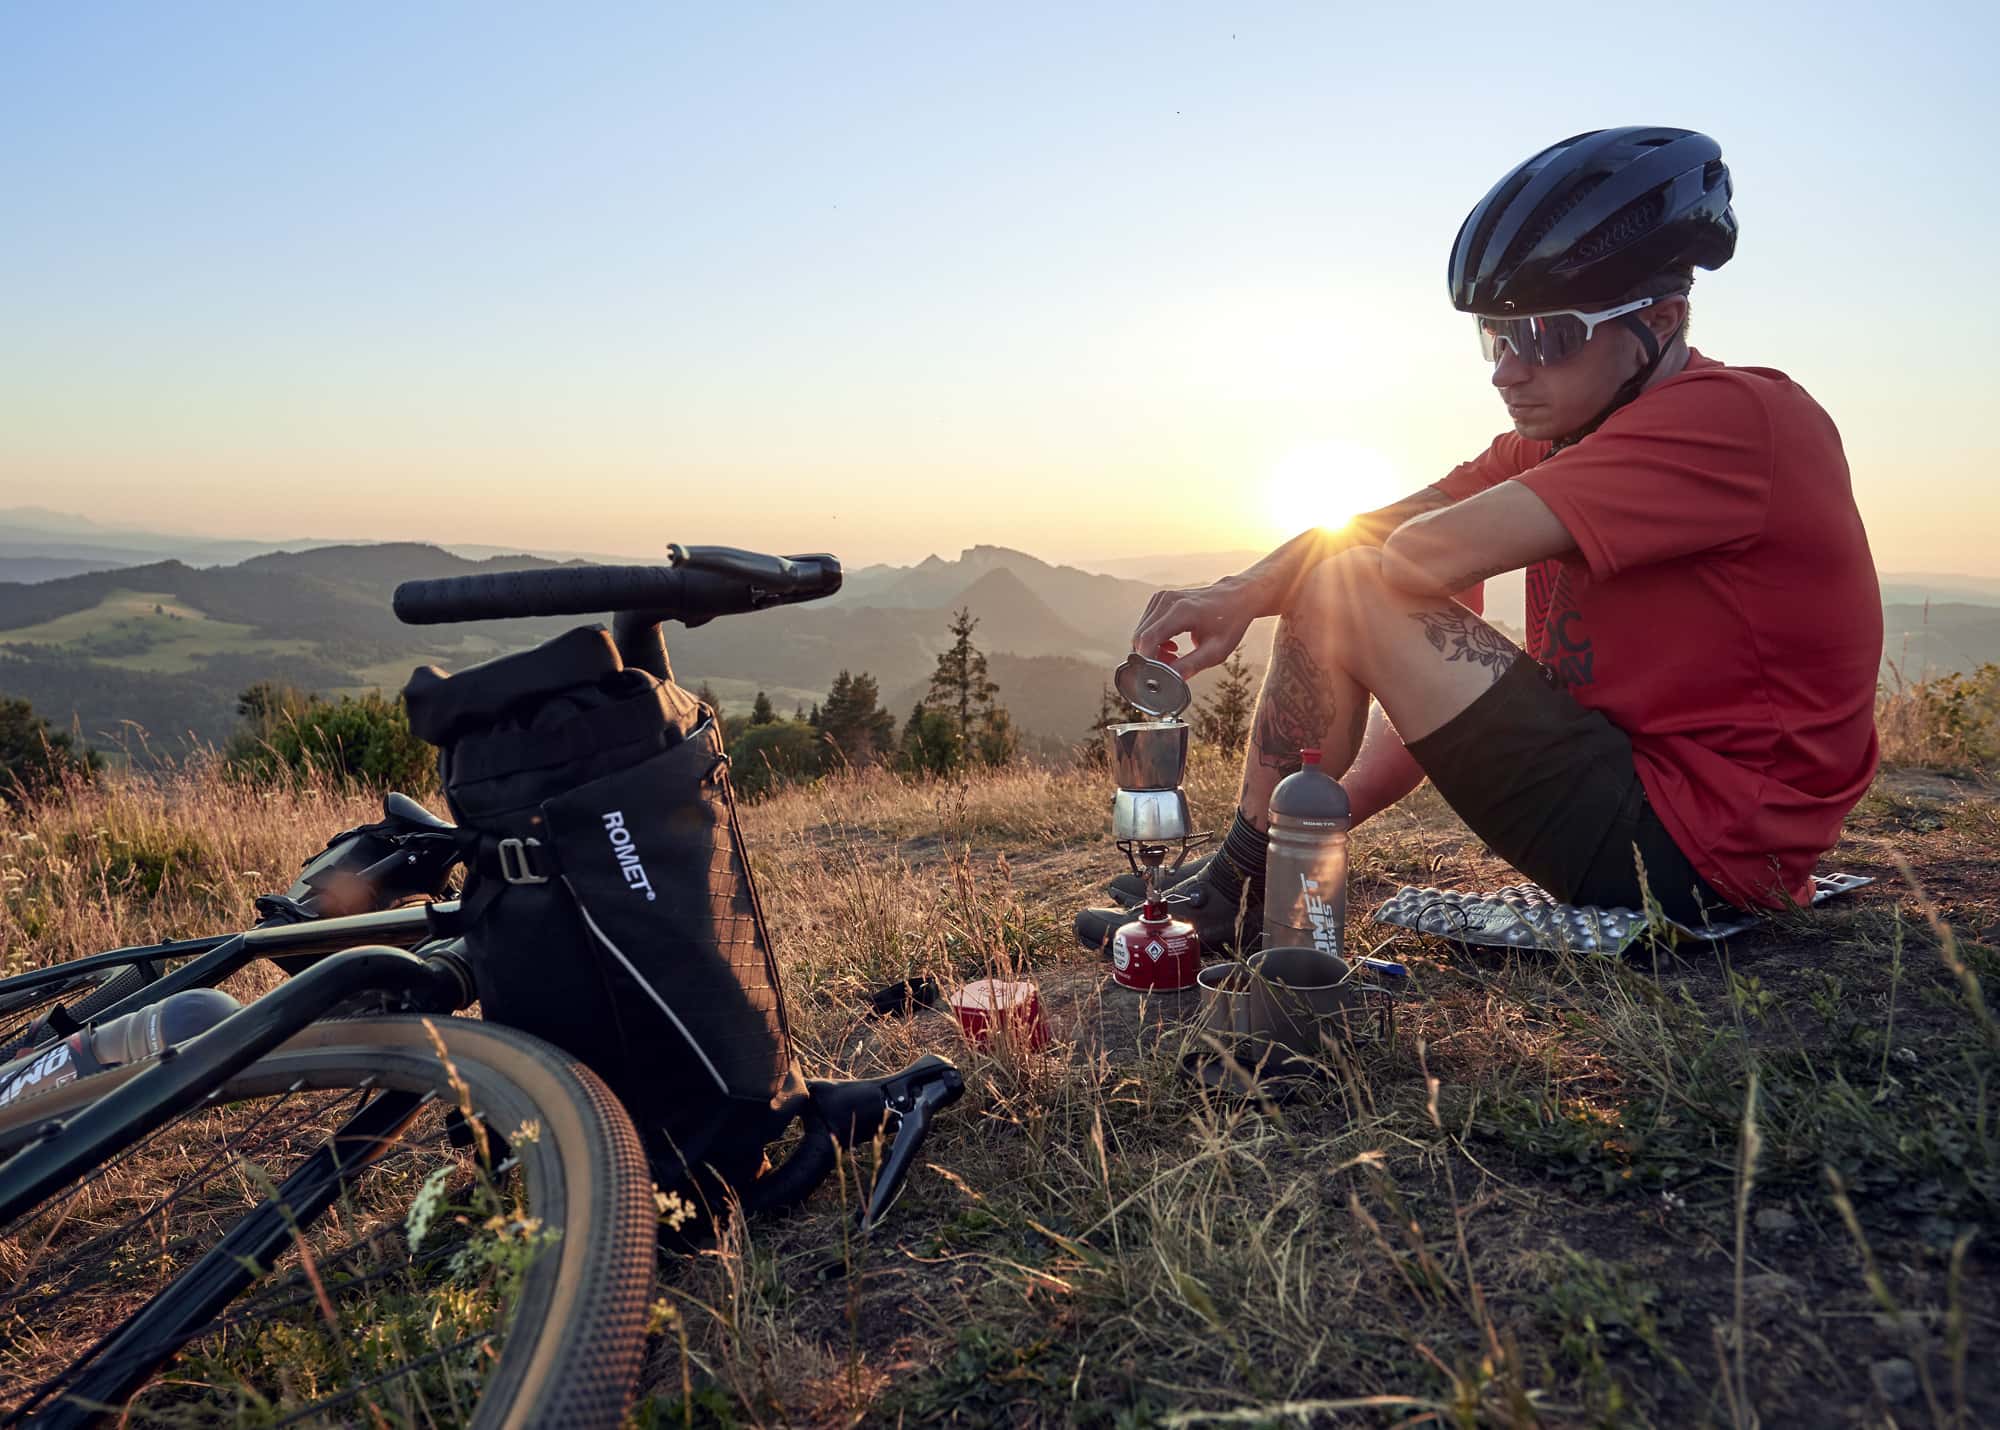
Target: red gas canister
x=1155, y=952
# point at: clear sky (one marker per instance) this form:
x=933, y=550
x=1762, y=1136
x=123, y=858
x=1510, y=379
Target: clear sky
x=1085, y=279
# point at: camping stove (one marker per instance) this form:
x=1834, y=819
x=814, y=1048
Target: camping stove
x=1155, y=951
x=1149, y=815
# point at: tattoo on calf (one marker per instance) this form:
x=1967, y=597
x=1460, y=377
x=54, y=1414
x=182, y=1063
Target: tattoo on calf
x=1293, y=712
x=1459, y=635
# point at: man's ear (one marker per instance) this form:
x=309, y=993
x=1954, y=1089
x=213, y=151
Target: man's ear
x=1665, y=317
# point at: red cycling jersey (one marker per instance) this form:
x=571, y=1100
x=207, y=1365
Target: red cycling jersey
x=1721, y=609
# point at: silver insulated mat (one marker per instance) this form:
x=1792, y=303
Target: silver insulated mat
x=1524, y=916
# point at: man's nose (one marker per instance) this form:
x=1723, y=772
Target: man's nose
x=1511, y=370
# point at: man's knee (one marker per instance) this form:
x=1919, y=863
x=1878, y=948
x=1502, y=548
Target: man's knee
x=1341, y=588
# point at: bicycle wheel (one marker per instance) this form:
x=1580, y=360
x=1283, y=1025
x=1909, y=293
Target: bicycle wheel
x=483, y=1256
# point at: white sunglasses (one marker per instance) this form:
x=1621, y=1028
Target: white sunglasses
x=1544, y=338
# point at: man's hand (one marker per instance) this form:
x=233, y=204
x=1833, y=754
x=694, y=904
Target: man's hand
x=1217, y=616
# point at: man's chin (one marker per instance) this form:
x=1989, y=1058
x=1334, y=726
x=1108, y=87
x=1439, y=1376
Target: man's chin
x=1536, y=426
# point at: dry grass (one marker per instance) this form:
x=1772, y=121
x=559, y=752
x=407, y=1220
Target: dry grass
x=1941, y=722
x=1537, y=1206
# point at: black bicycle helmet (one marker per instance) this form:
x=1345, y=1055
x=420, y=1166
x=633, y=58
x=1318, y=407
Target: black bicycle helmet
x=1586, y=221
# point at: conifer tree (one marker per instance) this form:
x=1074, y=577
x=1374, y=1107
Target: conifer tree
x=964, y=693
x=761, y=712
x=960, y=686
x=854, y=721
x=1223, y=719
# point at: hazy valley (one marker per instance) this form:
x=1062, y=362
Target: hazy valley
x=124, y=632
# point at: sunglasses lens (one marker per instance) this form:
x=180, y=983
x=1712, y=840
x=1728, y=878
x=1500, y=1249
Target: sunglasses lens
x=1540, y=340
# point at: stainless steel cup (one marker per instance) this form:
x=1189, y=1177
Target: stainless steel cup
x=1148, y=754
x=1151, y=816
x=1225, y=1000
x=1298, y=996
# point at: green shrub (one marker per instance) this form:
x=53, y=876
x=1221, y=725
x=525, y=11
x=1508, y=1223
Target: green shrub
x=769, y=756
x=362, y=741
x=35, y=755
x=931, y=745
x=1948, y=722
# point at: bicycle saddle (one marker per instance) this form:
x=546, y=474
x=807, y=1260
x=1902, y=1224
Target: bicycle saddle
x=401, y=809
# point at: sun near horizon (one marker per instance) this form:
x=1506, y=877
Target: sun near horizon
x=1327, y=483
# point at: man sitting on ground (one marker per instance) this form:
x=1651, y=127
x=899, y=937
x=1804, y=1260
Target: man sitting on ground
x=1704, y=623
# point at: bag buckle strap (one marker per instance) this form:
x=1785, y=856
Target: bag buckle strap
x=517, y=865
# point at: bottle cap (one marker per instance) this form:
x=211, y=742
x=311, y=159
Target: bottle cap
x=1309, y=755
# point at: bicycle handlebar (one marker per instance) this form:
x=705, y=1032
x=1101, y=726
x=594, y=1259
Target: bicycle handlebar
x=699, y=584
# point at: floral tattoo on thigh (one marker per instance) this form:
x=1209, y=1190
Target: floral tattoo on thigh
x=1459, y=635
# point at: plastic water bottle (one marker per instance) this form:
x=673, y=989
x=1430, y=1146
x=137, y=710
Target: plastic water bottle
x=1305, y=865
x=138, y=1035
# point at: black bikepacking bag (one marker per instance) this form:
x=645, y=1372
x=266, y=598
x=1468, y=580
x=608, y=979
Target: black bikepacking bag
x=609, y=906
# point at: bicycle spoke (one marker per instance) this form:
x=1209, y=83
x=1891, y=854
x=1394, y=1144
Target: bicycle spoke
x=194, y=1181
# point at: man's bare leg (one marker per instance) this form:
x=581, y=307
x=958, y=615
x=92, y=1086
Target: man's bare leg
x=1349, y=634
x=1308, y=700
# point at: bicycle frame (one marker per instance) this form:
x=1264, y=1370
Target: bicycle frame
x=49, y=1151
x=52, y=1152
x=220, y=955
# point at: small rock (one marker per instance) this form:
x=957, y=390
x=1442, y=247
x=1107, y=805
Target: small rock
x=1777, y=1221
x=1895, y=1380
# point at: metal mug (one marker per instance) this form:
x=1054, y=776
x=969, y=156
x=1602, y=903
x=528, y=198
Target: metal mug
x=1298, y=996
x=1149, y=754
x=1225, y=1000
x=1151, y=816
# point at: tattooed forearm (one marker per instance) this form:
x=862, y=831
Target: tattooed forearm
x=1293, y=712
x=1460, y=635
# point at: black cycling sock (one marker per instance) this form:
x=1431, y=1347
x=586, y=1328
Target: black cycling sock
x=1242, y=860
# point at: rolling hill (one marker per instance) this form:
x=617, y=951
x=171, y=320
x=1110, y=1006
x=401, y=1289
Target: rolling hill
x=168, y=644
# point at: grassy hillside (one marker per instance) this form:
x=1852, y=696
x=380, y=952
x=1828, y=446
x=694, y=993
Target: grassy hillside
x=168, y=645
x=150, y=630
x=1550, y=1199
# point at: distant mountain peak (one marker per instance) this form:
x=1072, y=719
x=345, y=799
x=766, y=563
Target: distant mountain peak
x=42, y=518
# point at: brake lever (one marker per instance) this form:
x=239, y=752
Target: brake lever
x=777, y=577
x=942, y=1088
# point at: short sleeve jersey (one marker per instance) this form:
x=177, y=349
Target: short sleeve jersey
x=1721, y=609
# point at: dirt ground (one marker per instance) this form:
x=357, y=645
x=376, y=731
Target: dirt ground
x=1557, y=1230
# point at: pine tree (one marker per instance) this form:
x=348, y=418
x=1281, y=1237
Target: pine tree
x=705, y=693
x=761, y=712
x=962, y=691
x=1223, y=719
x=854, y=721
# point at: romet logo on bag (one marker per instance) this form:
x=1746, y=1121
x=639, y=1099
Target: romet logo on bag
x=628, y=855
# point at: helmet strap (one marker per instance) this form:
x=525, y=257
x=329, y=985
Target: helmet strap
x=1627, y=390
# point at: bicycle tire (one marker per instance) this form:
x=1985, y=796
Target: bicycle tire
x=577, y=1333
